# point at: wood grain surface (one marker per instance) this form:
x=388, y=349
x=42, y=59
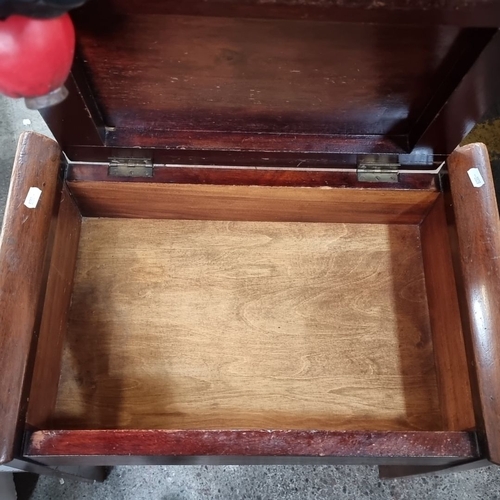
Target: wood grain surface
x=228, y=325
x=230, y=83
x=53, y=328
x=251, y=203
x=278, y=77
x=121, y=447
x=447, y=335
x=24, y=246
x=428, y=12
x=258, y=76
x=478, y=228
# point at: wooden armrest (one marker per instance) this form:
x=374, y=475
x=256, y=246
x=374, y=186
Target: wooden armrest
x=478, y=229
x=24, y=244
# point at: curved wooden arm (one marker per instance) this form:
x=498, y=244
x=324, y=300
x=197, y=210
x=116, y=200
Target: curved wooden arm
x=23, y=247
x=478, y=228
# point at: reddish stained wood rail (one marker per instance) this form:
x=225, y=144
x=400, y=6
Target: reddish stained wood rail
x=117, y=446
x=244, y=176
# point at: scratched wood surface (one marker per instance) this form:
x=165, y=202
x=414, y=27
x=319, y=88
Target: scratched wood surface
x=217, y=74
x=25, y=243
x=226, y=325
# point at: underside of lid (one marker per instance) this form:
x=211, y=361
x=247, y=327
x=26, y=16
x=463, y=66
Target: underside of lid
x=285, y=78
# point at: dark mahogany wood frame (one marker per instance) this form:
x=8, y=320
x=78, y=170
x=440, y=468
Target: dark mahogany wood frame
x=398, y=453
x=80, y=129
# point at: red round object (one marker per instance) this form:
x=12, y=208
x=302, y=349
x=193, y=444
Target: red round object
x=35, y=55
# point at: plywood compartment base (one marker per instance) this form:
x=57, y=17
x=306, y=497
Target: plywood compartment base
x=233, y=325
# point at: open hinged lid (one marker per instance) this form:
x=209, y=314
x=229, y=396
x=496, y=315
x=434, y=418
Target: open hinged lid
x=247, y=82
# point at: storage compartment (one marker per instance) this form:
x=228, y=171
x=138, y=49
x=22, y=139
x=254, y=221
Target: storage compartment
x=241, y=244
x=220, y=325
x=240, y=307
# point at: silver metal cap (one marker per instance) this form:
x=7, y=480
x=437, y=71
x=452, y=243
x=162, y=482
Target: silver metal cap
x=50, y=99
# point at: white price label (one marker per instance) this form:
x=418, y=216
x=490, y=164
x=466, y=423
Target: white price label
x=475, y=177
x=32, y=197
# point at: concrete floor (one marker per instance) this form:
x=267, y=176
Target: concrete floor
x=238, y=482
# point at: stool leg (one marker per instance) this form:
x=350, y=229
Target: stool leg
x=401, y=471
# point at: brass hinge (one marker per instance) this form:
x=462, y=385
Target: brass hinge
x=130, y=167
x=374, y=169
